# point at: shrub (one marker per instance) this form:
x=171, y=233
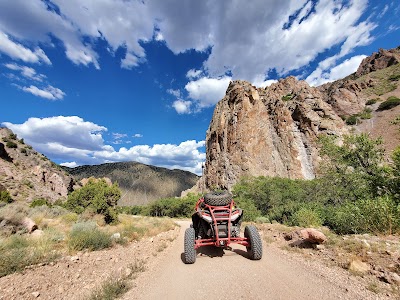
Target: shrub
x=250, y=211
x=352, y=120
x=23, y=150
x=11, y=144
x=5, y=197
x=366, y=113
x=389, y=103
x=39, y=202
x=96, y=195
x=172, y=207
x=371, y=101
x=130, y=210
x=306, y=217
x=287, y=97
x=22, y=141
x=394, y=77
x=377, y=215
x=12, y=136
x=17, y=252
x=87, y=236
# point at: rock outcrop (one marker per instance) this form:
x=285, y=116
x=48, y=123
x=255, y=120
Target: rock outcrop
x=378, y=61
x=267, y=132
x=27, y=174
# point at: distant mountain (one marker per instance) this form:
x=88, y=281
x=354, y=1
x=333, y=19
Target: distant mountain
x=273, y=131
x=139, y=183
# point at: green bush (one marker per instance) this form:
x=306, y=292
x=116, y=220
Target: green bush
x=23, y=150
x=306, y=217
x=389, y=103
x=11, y=144
x=40, y=202
x=96, y=195
x=250, y=211
x=287, y=97
x=172, y=207
x=378, y=215
x=5, y=197
x=352, y=120
x=366, y=113
x=394, y=77
x=12, y=136
x=86, y=235
x=371, y=101
x=130, y=210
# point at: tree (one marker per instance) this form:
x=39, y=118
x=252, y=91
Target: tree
x=355, y=166
x=96, y=195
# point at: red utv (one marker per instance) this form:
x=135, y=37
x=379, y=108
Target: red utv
x=216, y=222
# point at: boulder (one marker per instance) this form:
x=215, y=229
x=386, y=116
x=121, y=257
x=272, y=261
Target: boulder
x=305, y=237
x=29, y=224
x=359, y=267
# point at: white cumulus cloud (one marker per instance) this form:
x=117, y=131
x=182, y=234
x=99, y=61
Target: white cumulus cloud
x=207, y=91
x=324, y=73
x=182, y=106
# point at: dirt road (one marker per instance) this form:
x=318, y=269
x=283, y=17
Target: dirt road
x=223, y=274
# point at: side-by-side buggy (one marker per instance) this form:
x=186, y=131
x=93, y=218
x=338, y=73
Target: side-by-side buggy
x=216, y=222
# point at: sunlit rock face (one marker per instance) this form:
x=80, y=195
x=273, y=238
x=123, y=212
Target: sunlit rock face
x=267, y=132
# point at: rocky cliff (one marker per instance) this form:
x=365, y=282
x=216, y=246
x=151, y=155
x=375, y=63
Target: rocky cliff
x=270, y=132
x=274, y=131
x=27, y=174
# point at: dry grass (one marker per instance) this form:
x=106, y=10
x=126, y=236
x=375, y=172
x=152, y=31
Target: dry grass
x=115, y=286
x=61, y=236
x=134, y=228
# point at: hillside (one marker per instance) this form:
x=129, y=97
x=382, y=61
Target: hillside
x=139, y=183
x=273, y=131
x=27, y=174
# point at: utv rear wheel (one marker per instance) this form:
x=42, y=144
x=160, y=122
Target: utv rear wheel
x=190, y=251
x=254, y=249
x=218, y=198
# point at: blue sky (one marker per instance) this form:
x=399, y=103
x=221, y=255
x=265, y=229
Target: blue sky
x=88, y=82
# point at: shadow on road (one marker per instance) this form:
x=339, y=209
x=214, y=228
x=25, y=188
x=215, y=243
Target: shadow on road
x=212, y=251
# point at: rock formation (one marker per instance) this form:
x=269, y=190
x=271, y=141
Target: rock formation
x=27, y=174
x=269, y=132
x=274, y=131
x=379, y=60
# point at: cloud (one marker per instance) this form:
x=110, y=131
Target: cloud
x=75, y=142
x=207, y=91
x=193, y=74
x=19, y=52
x=71, y=164
x=49, y=92
x=325, y=74
x=137, y=135
x=182, y=106
x=176, y=93
x=27, y=72
x=244, y=39
x=119, y=135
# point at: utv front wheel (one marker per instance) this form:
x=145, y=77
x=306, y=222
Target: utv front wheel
x=254, y=249
x=190, y=251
